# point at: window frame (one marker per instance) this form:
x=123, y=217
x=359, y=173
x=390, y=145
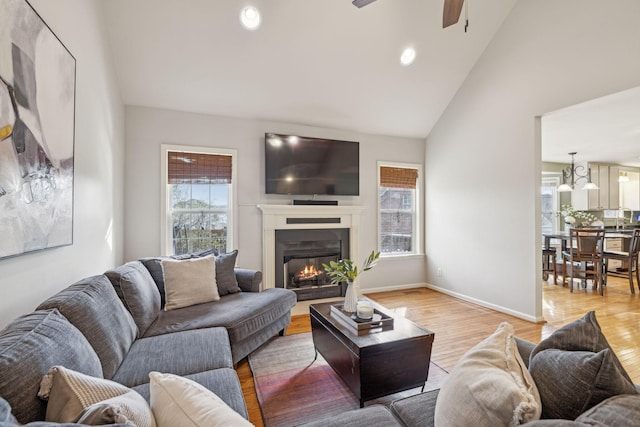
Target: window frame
x=166, y=225
x=416, y=211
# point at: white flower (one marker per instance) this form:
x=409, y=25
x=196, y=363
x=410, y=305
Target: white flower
x=569, y=219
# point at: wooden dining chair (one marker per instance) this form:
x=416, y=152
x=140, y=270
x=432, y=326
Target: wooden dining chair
x=549, y=264
x=584, y=253
x=630, y=258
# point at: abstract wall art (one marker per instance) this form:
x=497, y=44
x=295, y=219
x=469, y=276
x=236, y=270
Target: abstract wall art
x=37, y=115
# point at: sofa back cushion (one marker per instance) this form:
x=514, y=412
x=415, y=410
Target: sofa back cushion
x=32, y=344
x=226, y=279
x=137, y=291
x=92, y=306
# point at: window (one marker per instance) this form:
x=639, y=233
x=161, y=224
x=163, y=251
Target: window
x=198, y=200
x=398, y=208
x=549, y=204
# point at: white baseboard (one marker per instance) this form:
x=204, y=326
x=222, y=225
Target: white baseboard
x=393, y=288
x=487, y=305
x=303, y=307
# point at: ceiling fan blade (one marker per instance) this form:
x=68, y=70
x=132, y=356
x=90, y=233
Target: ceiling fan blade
x=451, y=14
x=362, y=3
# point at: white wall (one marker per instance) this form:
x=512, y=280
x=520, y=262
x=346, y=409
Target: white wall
x=483, y=157
x=27, y=280
x=147, y=128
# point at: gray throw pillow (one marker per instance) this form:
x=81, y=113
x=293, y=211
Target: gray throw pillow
x=583, y=334
x=570, y=382
x=225, y=273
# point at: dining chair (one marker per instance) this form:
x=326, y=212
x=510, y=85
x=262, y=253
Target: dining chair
x=630, y=258
x=549, y=264
x=584, y=253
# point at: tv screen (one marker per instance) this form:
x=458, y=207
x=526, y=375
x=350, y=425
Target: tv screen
x=311, y=166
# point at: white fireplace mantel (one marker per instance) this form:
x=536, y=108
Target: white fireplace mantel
x=302, y=217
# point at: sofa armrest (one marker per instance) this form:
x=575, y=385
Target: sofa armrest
x=248, y=280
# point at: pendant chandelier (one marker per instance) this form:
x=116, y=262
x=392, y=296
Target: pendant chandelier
x=572, y=174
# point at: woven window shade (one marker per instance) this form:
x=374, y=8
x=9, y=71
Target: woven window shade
x=398, y=177
x=198, y=168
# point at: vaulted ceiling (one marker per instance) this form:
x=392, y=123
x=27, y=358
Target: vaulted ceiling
x=314, y=62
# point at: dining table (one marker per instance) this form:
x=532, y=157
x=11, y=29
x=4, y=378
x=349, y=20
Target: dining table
x=565, y=238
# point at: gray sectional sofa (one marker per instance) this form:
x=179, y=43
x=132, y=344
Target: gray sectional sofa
x=113, y=326
x=578, y=380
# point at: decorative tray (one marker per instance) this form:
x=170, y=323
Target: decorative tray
x=361, y=326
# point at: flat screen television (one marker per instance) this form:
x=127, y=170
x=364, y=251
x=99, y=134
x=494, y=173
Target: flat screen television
x=300, y=165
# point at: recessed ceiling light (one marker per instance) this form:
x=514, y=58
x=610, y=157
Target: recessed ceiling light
x=408, y=56
x=250, y=18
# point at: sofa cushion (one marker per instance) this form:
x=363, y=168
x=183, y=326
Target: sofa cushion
x=570, y=382
x=489, y=386
x=179, y=401
x=374, y=415
x=154, y=266
x=241, y=314
x=93, y=307
x=5, y=413
x=137, y=291
x=620, y=410
x=75, y=397
x=189, y=282
x=223, y=382
x=225, y=273
x=32, y=344
x=180, y=353
x=417, y=410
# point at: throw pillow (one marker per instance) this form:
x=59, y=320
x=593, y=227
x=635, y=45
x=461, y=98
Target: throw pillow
x=178, y=401
x=570, y=382
x=189, y=282
x=489, y=386
x=72, y=396
x=225, y=273
x=583, y=334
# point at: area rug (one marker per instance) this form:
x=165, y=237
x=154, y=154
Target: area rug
x=292, y=389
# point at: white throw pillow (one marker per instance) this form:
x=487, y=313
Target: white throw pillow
x=178, y=401
x=189, y=282
x=490, y=386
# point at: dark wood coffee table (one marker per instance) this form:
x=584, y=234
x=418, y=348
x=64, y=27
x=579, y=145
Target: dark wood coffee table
x=375, y=364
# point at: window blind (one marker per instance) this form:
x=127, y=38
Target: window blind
x=398, y=177
x=198, y=168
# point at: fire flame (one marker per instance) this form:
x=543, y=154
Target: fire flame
x=309, y=272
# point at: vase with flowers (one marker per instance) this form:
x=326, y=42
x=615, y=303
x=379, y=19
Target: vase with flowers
x=345, y=270
x=572, y=216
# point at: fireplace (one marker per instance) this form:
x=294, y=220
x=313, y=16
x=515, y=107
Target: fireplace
x=310, y=220
x=299, y=255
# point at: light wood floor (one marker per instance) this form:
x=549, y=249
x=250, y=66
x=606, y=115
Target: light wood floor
x=459, y=325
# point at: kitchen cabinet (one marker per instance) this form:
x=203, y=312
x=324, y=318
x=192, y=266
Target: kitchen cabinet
x=613, y=244
x=606, y=196
x=611, y=193
x=630, y=190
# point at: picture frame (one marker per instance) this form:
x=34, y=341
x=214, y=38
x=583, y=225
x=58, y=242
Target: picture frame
x=37, y=133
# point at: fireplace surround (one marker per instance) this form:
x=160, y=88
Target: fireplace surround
x=299, y=255
x=306, y=226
